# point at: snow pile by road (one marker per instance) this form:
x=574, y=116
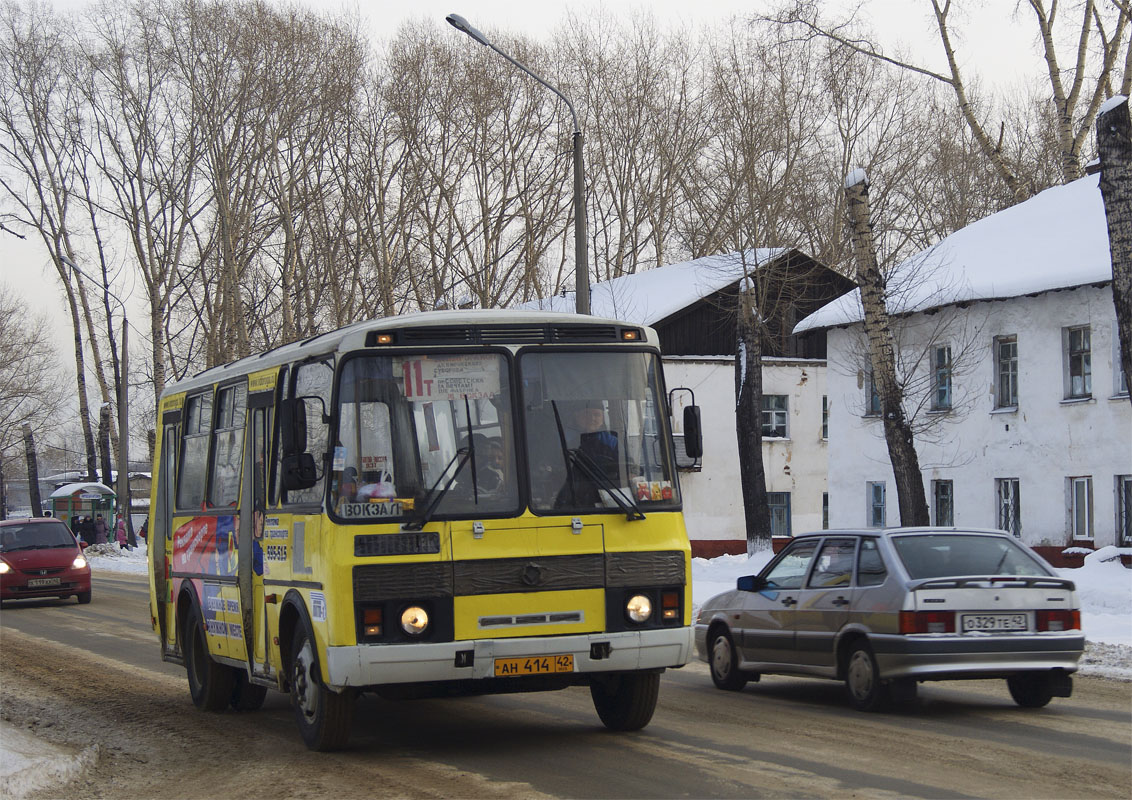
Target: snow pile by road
x=29, y=764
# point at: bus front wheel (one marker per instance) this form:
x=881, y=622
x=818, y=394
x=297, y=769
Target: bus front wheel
x=324, y=716
x=627, y=701
x=210, y=683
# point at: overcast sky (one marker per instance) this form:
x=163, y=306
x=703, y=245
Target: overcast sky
x=991, y=41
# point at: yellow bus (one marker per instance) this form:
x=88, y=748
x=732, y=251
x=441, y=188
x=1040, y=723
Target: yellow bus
x=435, y=504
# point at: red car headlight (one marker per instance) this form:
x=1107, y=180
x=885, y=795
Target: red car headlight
x=79, y=562
x=4, y=567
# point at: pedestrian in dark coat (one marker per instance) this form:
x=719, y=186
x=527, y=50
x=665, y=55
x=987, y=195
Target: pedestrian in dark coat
x=100, y=530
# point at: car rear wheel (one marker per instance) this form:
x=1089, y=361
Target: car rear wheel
x=83, y=598
x=626, y=702
x=324, y=716
x=862, y=679
x=724, y=662
x=1031, y=691
x=210, y=683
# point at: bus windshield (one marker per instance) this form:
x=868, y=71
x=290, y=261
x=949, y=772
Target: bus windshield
x=595, y=433
x=424, y=430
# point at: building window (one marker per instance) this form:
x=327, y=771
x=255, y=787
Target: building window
x=1124, y=510
x=875, y=493
x=1120, y=379
x=774, y=416
x=1081, y=507
x=825, y=511
x=1079, y=361
x=941, y=377
x=1009, y=505
x=943, y=512
x=779, y=503
x=824, y=416
x=1006, y=371
x=872, y=399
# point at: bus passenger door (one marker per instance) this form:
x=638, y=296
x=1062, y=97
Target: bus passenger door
x=253, y=509
x=160, y=537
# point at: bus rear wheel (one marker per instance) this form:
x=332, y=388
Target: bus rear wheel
x=210, y=684
x=626, y=702
x=324, y=716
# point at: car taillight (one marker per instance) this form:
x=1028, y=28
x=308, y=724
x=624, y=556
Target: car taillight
x=1059, y=619
x=927, y=622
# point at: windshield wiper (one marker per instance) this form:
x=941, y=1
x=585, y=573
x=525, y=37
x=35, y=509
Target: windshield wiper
x=463, y=456
x=576, y=459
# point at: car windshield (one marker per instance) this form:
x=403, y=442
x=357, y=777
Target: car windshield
x=948, y=555
x=595, y=432
x=34, y=536
x=419, y=432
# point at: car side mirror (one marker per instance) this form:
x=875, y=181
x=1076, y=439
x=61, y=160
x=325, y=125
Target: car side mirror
x=751, y=583
x=693, y=433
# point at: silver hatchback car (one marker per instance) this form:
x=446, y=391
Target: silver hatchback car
x=885, y=609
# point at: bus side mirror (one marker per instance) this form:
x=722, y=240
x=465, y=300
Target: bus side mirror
x=299, y=472
x=293, y=427
x=693, y=434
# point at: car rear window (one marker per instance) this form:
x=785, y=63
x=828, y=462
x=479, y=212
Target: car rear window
x=34, y=536
x=947, y=555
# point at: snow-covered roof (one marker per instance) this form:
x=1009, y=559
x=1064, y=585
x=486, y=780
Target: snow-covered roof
x=1055, y=240
x=653, y=295
x=71, y=488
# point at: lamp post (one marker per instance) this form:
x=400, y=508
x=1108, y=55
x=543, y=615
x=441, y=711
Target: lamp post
x=581, y=265
x=123, y=401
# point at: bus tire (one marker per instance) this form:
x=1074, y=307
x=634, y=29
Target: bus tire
x=626, y=702
x=324, y=716
x=210, y=684
x=247, y=696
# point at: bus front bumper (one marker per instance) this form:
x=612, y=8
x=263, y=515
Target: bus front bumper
x=375, y=665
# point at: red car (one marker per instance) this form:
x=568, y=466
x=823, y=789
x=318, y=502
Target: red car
x=40, y=557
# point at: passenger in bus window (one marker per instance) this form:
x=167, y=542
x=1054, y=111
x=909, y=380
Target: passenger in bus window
x=596, y=449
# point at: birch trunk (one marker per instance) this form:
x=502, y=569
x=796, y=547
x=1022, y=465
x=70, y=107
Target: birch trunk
x=897, y=430
x=1114, y=144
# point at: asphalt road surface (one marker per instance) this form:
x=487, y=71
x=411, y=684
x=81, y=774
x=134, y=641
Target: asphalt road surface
x=91, y=675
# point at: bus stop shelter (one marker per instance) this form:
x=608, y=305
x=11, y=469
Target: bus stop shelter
x=83, y=500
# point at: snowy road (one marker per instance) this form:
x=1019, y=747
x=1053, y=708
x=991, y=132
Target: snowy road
x=89, y=676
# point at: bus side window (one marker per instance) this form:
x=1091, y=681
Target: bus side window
x=312, y=382
x=194, y=451
x=228, y=445
x=281, y=393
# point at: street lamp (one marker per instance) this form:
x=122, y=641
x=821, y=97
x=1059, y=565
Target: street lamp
x=581, y=266
x=123, y=400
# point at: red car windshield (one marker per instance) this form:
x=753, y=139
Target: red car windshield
x=35, y=536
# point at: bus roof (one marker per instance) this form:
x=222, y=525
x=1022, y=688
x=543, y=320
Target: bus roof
x=450, y=328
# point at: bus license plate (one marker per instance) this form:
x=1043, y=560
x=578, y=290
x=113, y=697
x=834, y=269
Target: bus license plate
x=995, y=622
x=534, y=665
x=37, y=582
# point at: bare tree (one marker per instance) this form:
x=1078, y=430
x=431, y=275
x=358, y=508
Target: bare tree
x=1114, y=141
x=1098, y=44
x=897, y=432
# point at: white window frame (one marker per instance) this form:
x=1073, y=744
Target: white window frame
x=1123, y=502
x=779, y=418
x=1080, y=506
x=872, y=396
x=1009, y=505
x=876, y=504
x=825, y=417
x=779, y=513
x=942, y=375
x=937, y=496
x=1119, y=379
x=1078, y=363
x=1006, y=372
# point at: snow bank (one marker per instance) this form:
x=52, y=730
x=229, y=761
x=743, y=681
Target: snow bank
x=29, y=764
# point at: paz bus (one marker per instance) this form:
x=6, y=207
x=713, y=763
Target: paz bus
x=429, y=505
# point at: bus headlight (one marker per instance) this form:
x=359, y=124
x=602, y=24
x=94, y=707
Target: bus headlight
x=414, y=620
x=639, y=608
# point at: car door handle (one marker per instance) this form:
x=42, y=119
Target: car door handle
x=789, y=601
x=840, y=601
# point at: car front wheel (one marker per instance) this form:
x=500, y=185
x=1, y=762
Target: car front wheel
x=1031, y=691
x=724, y=662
